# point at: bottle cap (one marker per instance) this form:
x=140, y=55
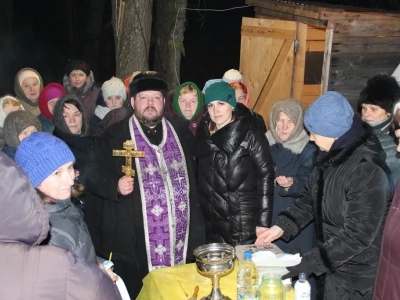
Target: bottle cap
x=302, y=276
x=247, y=254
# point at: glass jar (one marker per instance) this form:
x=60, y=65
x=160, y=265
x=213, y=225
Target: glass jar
x=272, y=288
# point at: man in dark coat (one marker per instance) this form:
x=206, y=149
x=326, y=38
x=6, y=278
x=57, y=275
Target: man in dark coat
x=152, y=220
x=347, y=197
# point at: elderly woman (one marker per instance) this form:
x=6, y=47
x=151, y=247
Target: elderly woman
x=236, y=173
x=376, y=105
x=79, y=80
x=27, y=86
x=388, y=275
x=293, y=155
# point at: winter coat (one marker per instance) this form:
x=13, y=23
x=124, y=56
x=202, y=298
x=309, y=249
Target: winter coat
x=388, y=276
x=347, y=197
x=37, y=272
x=68, y=230
x=236, y=179
x=389, y=141
x=295, y=159
x=99, y=125
x=115, y=221
x=88, y=93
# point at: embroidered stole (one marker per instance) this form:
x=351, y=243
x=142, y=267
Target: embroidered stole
x=164, y=191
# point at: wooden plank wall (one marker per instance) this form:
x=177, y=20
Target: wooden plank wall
x=362, y=49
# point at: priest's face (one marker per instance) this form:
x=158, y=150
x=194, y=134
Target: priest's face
x=148, y=107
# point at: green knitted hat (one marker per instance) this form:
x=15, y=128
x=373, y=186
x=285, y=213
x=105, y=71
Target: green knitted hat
x=200, y=100
x=221, y=91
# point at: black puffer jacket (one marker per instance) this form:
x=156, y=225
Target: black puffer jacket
x=347, y=196
x=236, y=179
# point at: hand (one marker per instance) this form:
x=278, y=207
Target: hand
x=284, y=181
x=269, y=235
x=125, y=185
x=260, y=230
x=109, y=272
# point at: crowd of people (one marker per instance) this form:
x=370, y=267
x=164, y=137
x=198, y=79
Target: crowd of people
x=318, y=182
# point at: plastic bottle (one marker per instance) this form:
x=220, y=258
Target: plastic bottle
x=302, y=288
x=272, y=288
x=247, y=279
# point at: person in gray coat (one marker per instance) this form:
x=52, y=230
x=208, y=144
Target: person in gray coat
x=48, y=162
x=34, y=272
x=375, y=106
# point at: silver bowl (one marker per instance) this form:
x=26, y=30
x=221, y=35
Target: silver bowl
x=213, y=261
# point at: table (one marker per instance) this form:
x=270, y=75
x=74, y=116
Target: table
x=162, y=284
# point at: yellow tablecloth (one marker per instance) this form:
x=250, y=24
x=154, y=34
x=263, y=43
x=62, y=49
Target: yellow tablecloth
x=163, y=284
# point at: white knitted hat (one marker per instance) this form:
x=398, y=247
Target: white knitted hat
x=26, y=74
x=114, y=87
x=232, y=75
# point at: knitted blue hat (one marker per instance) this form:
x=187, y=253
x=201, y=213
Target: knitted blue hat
x=330, y=115
x=41, y=154
x=221, y=91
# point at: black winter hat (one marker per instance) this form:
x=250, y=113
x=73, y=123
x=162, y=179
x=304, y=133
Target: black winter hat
x=381, y=90
x=148, y=81
x=77, y=65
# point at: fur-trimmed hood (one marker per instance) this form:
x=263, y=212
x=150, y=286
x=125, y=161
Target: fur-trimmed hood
x=83, y=89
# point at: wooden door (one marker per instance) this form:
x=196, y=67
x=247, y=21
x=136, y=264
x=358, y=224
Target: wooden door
x=272, y=58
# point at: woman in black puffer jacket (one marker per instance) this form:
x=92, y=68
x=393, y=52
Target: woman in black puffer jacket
x=236, y=175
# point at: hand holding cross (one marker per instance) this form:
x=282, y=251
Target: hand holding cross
x=129, y=152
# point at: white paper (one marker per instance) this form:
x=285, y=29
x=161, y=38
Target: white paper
x=122, y=289
x=270, y=259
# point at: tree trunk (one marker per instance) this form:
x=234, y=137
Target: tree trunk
x=168, y=39
x=132, y=20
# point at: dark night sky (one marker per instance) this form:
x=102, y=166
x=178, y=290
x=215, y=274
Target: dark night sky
x=39, y=39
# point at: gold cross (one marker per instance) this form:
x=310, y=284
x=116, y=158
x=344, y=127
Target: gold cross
x=129, y=152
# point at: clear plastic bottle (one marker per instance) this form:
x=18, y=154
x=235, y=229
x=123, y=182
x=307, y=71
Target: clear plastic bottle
x=272, y=288
x=302, y=288
x=247, y=279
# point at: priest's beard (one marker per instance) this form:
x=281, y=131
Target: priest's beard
x=149, y=121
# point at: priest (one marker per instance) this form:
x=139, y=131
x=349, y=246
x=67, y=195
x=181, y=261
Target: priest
x=151, y=220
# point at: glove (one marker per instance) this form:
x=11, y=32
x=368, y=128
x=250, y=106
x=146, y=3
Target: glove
x=303, y=267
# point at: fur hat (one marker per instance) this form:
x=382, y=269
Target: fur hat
x=77, y=65
x=113, y=87
x=381, y=90
x=2, y=113
x=294, y=110
x=59, y=120
x=330, y=115
x=40, y=154
x=49, y=92
x=15, y=123
x=232, y=75
x=221, y=91
x=148, y=81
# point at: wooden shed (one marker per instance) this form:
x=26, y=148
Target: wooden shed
x=302, y=50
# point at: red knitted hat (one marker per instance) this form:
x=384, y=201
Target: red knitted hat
x=50, y=91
